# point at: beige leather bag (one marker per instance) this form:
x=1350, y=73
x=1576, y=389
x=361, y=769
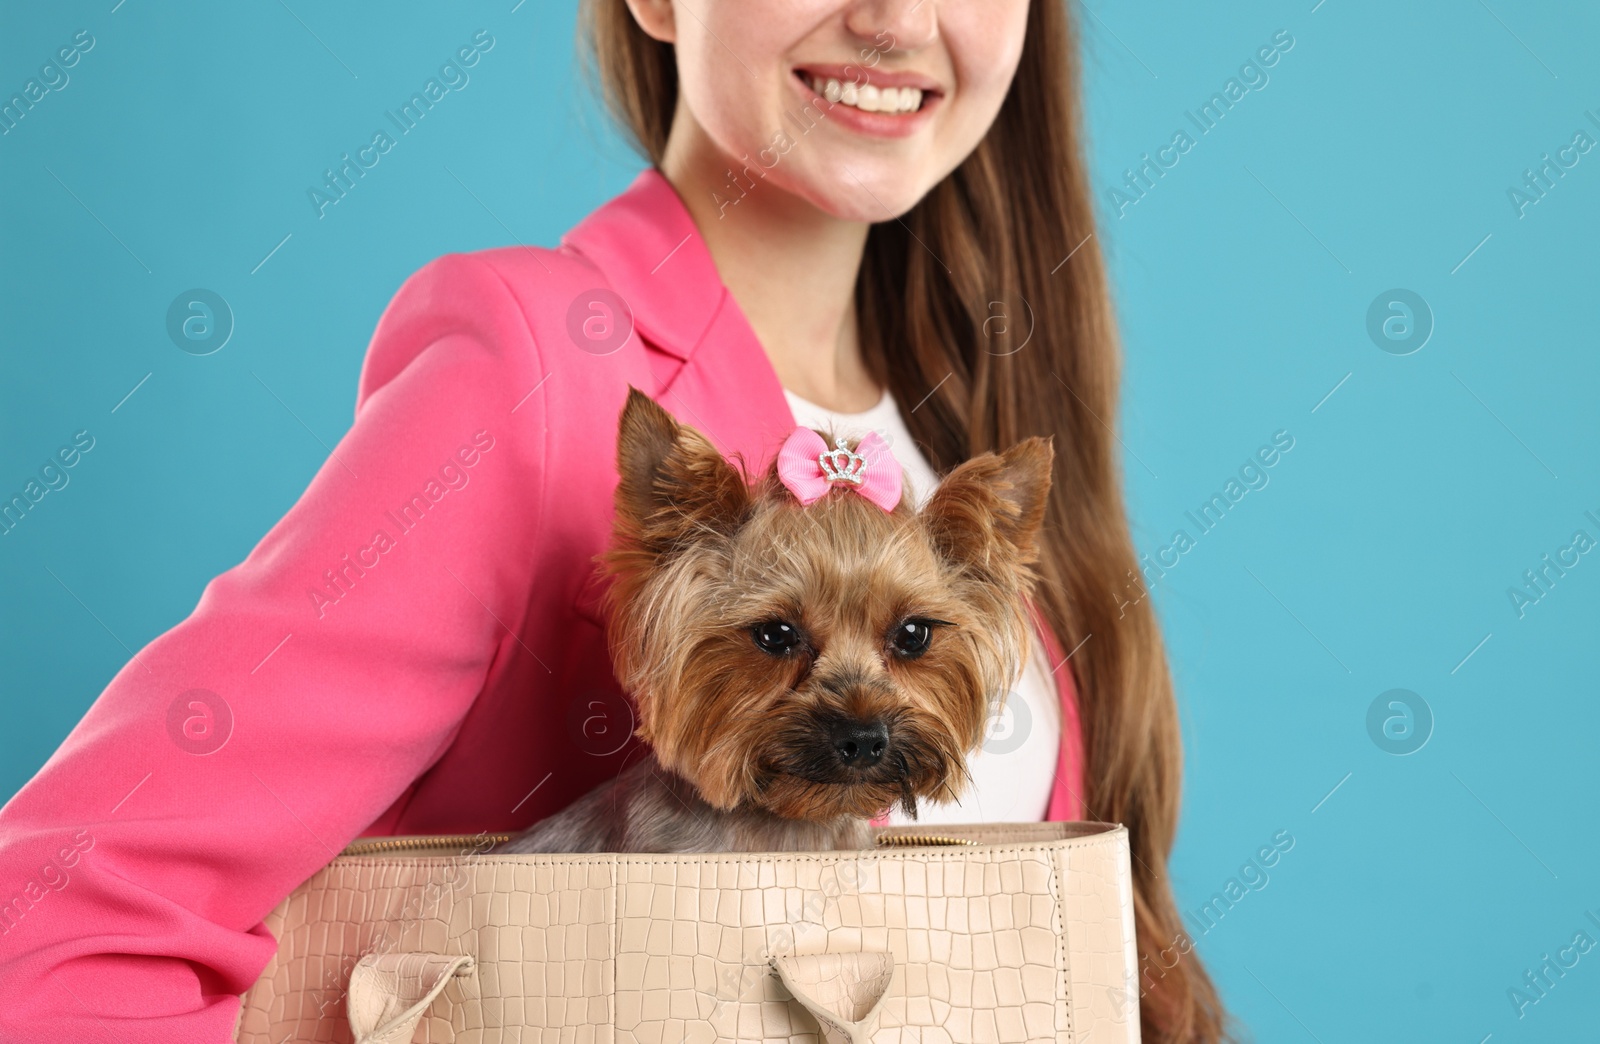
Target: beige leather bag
x=980, y=934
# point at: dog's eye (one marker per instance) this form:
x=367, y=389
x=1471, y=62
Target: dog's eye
x=910, y=639
x=775, y=637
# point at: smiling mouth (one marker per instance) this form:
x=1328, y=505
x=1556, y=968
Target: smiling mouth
x=866, y=96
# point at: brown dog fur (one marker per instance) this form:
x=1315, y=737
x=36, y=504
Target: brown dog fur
x=740, y=755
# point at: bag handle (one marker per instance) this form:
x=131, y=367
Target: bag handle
x=843, y=990
x=389, y=992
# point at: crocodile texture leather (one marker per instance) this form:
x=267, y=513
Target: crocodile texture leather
x=843, y=991
x=390, y=992
x=1026, y=936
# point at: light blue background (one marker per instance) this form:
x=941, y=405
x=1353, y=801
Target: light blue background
x=1379, y=556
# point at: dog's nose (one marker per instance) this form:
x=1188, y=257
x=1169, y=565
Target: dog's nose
x=860, y=744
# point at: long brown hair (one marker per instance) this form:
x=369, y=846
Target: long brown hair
x=1011, y=231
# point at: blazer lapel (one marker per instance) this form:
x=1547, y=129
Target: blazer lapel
x=714, y=374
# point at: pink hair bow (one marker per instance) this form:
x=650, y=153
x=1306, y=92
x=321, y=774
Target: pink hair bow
x=809, y=468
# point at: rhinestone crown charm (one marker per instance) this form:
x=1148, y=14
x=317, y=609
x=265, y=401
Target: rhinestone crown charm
x=809, y=469
x=842, y=465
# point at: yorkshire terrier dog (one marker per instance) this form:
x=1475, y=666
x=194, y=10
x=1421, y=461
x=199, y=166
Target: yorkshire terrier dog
x=807, y=650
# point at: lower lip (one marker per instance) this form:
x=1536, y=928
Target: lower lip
x=871, y=124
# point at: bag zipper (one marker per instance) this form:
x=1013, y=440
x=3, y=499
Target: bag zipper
x=390, y=846
x=918, y=840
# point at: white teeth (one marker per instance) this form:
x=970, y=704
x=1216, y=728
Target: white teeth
x=867, y=97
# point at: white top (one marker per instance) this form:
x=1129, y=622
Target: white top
x=1014, y=771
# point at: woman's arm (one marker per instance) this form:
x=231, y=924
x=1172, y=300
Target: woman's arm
x=136, y=867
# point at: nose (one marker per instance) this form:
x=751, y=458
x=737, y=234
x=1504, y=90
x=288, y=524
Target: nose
x=893, y=25
x=860, y=744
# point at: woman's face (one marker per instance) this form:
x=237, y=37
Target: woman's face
x=857, y=106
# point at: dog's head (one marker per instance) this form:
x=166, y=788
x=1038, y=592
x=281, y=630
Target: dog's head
x=824, y=660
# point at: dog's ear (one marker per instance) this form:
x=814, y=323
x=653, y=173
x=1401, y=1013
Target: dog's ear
x=992, y=505
x=674, y=483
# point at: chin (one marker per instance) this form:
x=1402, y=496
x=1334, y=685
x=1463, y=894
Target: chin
x=792, y=797
x=875, y=193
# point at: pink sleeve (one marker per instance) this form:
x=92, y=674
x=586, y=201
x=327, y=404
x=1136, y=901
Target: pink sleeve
x=136, y=867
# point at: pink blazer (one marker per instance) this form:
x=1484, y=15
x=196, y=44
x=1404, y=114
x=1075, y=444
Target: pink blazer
x=415, y=648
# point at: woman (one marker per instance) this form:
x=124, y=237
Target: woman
x=873, y=211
